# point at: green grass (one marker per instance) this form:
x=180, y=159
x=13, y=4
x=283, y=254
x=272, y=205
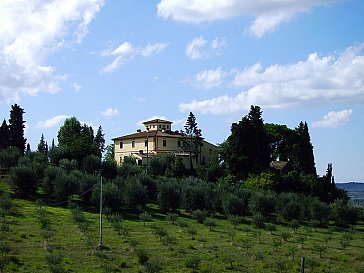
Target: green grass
x=223, y=249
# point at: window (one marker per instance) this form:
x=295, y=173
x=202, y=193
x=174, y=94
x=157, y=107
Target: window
x=168, y=127
x=164, y=142
x=160, y=126
x=133, y=143
x=121, y=145
x=179, y=143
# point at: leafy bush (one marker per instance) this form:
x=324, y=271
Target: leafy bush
x=142, y=255
x=135, y=194
x=169, y=196
x=262, y=202
x=344, y=214
x=199, y=216
x=24, y=180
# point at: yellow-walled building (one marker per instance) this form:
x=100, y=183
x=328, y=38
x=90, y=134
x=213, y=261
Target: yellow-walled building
x=156, y=138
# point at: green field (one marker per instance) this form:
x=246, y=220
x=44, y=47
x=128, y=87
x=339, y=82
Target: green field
x=170, y=247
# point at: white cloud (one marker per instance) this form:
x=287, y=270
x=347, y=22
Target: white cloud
x=109, y=112
x=208, y=79
x=77, y=87
x=334, y=119
x=317, y=80
x=151, y=50
x=127, y=51
x=199, y=48
x=31, y=31
x=268, y=14
x=49, y=123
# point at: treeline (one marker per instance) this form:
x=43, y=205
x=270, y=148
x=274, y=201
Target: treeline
x=238, y=181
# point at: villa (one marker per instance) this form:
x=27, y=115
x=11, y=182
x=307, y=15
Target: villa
x=157, y=138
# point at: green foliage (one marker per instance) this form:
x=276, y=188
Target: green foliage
x=262, y=203
x=24, y=180
x=142, y=255
x=199, y=216
x=210, y=223
x=145, y=217
x=172, y=217
x=236, y=203
x=258, y=220
x=16, y=128
x=246, y=150
x=344, y=214
x=262, y=181
x=289, y=206
x=193, y=263
x=169, y=196
x=135, y=195
x=191, y=140
x=9, y=158
x=4, y=136
x=153, y=266
x=78, y=141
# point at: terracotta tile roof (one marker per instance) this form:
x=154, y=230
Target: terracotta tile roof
x=156, y=121
x=278, y=165
x=145, y=134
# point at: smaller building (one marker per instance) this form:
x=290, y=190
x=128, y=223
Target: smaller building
x=281, y=167
x=157, y=138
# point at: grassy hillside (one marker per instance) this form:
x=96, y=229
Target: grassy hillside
x=54, y=239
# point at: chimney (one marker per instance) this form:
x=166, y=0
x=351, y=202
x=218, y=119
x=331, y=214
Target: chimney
x=139, y=131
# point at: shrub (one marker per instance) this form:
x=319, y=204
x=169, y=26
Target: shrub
x=193, y=263
x=134, y=193
x=199, y=216
x=145, y=217
x=258, y=220
x=23, y=180
x=172, y=217
x=344, y=214
x=262, y=203
x=153, y=266
x=169, y=197
x=209, y=222
x=142, y=255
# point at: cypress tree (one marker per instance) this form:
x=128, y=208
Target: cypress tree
x=16, y=128
x=4, y=135
x=304, y=150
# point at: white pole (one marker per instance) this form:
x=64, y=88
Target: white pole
x=100, y=243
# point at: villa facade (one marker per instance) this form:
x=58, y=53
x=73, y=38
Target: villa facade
x=156, y=138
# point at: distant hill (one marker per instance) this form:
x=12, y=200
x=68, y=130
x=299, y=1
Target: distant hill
x=355, y=191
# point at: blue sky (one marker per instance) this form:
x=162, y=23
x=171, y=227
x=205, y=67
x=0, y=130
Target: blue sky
x=117, y=63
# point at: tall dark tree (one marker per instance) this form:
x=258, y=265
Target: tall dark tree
x=191, y=140
x=16, y=128
x=305, y=160
x=100, y=141
x=4, y=135
x=42, y=146
x=246, y=151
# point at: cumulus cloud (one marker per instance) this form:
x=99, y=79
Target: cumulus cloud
x=334, y=119
x=268, y=14
x=208, y=79
x=49, y=123
x=127, y=51
x=199, y=48
x=31, y=31
x=109, y=112
x=316, y=80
